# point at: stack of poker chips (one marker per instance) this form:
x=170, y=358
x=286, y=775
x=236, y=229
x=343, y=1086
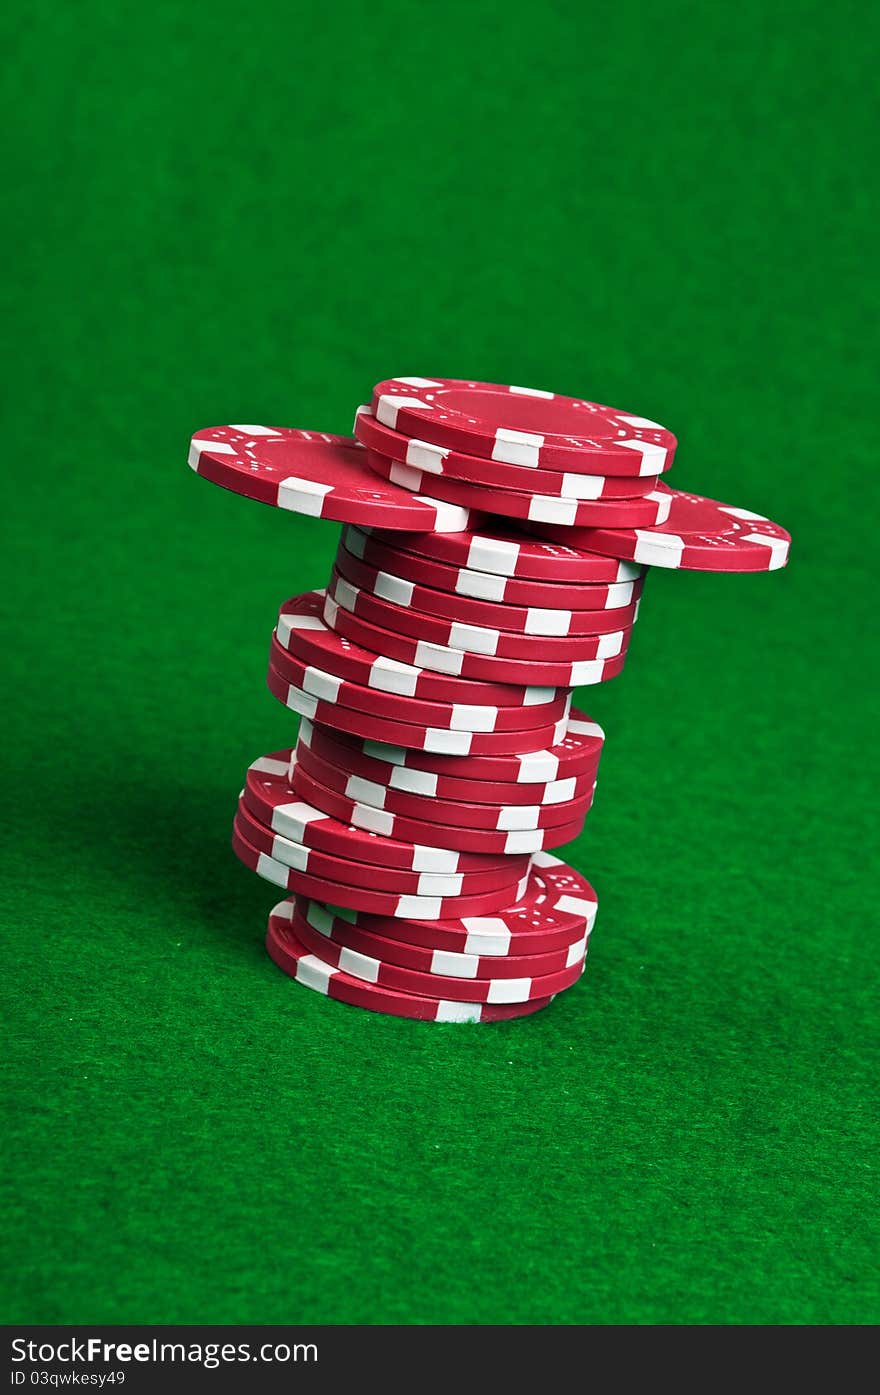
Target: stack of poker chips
x=492, y=559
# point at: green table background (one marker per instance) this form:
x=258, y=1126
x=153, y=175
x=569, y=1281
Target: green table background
x=252, y=214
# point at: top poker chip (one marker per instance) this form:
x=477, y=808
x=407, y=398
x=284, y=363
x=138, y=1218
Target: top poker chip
x=699, y=535
x=313, y=473
x=523, y=426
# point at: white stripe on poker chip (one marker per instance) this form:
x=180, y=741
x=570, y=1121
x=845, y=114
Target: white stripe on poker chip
x=454, y=965
x=547, y=622
x=534, y=697
x=321, y=685
x=544, y=508
x=495, y=554
x=196, y=448
x=537, y=766
x=743, y=513
x=303, y=496
x=509, y=990
x=265, y=766
x=365, y=791
x=664, y=504
x=412, y=781
x=458, y=1012
x=583, y=486
x=256, y=430
x=351, y=961
x=658, y=549
x=576, y=951
x=314, y=973
x=530, y=392
x=518, y=447
x=405, y=476
x=473, y=639
x=435, y=656
x=418, y=382
x=295, y=855
x=486, y=935
x=466, y=718
x=271, y=871
x=355, y=541
x=778, y=548
x=300, y=702
x=373, y=820
x=449, y=518
x=393, y=588
x=578, y=727
x=481, y=586
x=390, y=676
x=287, y=623
x=318, y=917
x=421, y=455
x=344, y=593
x=388, y=405
x=578, y=905
x=653, y=456
x=294, y=819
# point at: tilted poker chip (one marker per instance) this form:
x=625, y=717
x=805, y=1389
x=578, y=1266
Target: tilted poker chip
x=575, y=754
x=484, y=639
x=300, y=858
x=270, y=797
x=438, y=739
x=377, y=550
x=500, y=548
x=402, y=827
x=523, y=426
x=302, y=630
x=443, y=962
x=313, y=473
x=502, y=818
x=474, y=469
x=363, y=898
x=699, y=535
x=380, y=765
x=404, y=980
x=542, y=508
x=427, y=600
x=426, y=654
x=313, y=972
x=558, y=907
x=454, y=716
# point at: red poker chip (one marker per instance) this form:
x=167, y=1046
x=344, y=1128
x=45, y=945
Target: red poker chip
x=443, y=962
x=487, y=640
x=388, y=586
x=460, y=716
x=499, y=548
x=348, y=871
x=437, y=739
x=378, y=551
x=362, y=759
x=366, y=898
x=699, y=535
x=426, y=654
x=558, y=907
x=474, y=469
x=419, y=830
x=501, y=818
x=542, y=508
x=523, y=426
x=313, y=473
x=302, y=631
x=271, y=798
x=313, y=972
x=574, y=754
x=402, y=980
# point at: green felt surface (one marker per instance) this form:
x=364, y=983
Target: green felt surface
x=251, y=214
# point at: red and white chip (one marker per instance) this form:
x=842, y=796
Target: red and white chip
x=379, y=551
x=314, y=972
x=475, y=469
x=699, y=535
x=313, y=473
x=523, y=426
x=542, y=508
